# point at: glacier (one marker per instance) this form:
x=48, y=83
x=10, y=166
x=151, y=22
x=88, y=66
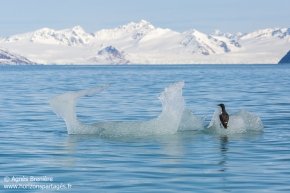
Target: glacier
x=143, y=43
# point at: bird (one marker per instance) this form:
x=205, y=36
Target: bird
x=224, y=116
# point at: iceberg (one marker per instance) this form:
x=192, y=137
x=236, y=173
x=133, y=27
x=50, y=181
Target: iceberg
x=166, y=123
x=173, y=118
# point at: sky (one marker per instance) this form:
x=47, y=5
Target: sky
x=19, y=16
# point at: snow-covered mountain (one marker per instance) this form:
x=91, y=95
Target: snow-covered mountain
x=280, y=33
x=143, y=43
x=10, y=58
x=110, y=55
x=206, y=44
x=285, y=59
x=70, y=37
x=132, y=31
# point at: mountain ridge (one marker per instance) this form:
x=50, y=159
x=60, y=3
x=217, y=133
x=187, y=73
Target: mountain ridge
x=143, y=43
x=7, y=57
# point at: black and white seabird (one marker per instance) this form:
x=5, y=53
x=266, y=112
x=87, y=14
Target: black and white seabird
x=224, y=116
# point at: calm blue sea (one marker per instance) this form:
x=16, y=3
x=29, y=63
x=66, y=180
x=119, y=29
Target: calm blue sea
x=37, y=154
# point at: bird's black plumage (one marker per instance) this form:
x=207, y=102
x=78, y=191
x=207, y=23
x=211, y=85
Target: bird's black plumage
x=224, y=116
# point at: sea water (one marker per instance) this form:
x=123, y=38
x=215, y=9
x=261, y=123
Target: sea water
x=38, y=155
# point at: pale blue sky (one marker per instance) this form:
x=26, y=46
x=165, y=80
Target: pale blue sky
x=17, y=16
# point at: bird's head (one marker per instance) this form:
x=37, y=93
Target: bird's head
x=222, y=106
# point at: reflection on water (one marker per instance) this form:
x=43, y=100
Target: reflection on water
x=223, y=151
